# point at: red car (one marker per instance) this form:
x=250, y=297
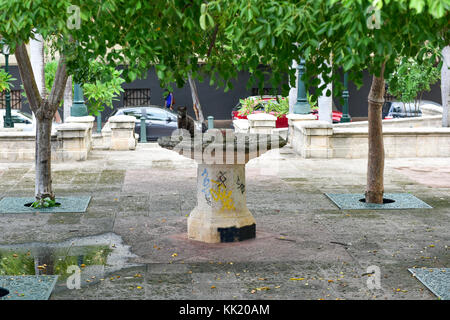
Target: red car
x=282, y=122
x=336, y=115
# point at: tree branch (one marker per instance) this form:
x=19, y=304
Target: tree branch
x=59, y=84
x=27, y=76
x=213, y=40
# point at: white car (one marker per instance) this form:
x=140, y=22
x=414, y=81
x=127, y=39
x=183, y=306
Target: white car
x=22, y=120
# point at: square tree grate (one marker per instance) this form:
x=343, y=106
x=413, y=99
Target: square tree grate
x=28, y=287
x=401, y=201
x=68, y=204
x=437, y=280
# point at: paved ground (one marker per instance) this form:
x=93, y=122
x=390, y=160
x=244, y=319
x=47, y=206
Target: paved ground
x=306, y=248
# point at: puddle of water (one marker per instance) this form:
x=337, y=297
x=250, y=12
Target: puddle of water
x=96, y=256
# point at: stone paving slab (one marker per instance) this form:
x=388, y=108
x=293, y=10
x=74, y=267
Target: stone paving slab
x=145, y=196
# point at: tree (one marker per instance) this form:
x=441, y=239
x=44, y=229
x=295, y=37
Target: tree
x=411, y=79
x=111, y=32
x=445, y=87
x=357, y=35
x=195, y=99
x=51, y=22
x=101, y=93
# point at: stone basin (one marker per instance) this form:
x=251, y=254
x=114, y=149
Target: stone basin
x=221, y=214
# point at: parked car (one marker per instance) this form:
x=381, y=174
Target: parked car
x=398, y=109
x=335, y=115
x=21, y=120
x=159, y=121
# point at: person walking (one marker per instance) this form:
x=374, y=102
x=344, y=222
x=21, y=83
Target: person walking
x=169, y=101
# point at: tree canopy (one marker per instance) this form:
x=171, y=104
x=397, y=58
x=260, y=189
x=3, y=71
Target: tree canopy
x=230, y=35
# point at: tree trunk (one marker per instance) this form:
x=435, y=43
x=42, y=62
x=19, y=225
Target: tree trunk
x=67, y=99
x=38, y=63
x=445, y=87
x=195, y=100
x=325, y=102
x=44, y=110
x=375, y=165
x=43, y=159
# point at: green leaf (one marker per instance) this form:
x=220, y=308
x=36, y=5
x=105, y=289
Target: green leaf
x=262, y=43
x=203, y=21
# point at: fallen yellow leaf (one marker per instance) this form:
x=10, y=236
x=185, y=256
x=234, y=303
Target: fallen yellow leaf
x=297, y=279
x=263, y=288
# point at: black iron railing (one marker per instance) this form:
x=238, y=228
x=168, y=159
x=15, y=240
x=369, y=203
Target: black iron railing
x=16, y=99
x=136, y=97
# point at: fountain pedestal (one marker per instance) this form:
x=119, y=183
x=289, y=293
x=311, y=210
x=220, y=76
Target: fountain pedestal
x=221, y=214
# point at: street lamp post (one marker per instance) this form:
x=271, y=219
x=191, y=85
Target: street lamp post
x=345, y=116
x=99, y=122
x=143, y=125
x=7, y=123
x=301, y=106
x=78, y=108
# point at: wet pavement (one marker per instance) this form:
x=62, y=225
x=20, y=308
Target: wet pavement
x=131, y=242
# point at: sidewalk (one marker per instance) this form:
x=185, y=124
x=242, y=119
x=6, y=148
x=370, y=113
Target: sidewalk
x=306, y=248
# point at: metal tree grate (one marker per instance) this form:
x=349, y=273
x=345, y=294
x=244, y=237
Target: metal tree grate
x=437, y=280
x=28, y=287
x=351, y=201
x=68, y=204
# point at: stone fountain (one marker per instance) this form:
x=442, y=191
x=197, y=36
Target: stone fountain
x=221, y=214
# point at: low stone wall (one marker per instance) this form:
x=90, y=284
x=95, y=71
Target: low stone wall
x=117, y=134
x=311, y=139
x=69, y=142
x=241, y=126
x=319, y=139
x=431, y=117
x=398, y=142
x=89, y=121
x=72, y=140
x=262, y=123
x=434, y=121
x=19, y=145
